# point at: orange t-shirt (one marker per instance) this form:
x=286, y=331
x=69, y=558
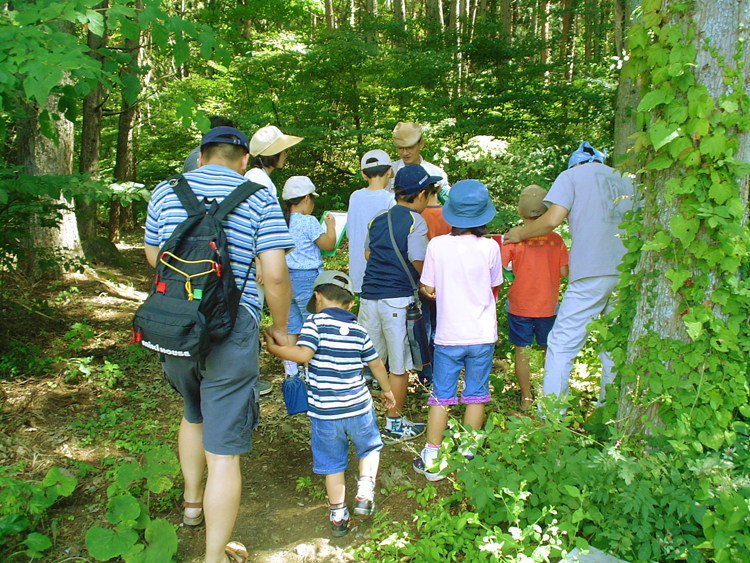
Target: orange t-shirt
x=436, y=225
x=536, y=267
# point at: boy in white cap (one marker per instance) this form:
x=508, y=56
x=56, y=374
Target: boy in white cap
x=409, y=142
x=364, y=205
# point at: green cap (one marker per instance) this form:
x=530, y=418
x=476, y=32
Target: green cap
x=332, y=277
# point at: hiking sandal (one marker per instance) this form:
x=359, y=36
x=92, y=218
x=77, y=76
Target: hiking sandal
x=236, y=552
x=195, y=520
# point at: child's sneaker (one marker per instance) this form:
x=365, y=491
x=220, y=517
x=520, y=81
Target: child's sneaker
x=364, y=507
x=339, y=522
x=427, y=459
x=407, y=430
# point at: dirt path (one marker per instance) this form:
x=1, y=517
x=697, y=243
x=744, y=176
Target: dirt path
x=60, y=418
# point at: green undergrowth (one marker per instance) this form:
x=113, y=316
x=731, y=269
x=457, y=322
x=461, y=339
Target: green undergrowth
x=538, y=488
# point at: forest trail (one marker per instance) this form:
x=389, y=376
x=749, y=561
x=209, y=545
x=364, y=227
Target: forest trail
x=69, y=421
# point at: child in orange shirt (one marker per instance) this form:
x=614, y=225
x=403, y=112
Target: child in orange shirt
x=538, y=264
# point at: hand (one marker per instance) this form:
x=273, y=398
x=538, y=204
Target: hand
x=276, y=335
x=429, y=293
x=388, y=399
x=513, y=236
x=330, y=221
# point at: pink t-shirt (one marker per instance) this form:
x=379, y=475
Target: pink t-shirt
x=463, y=270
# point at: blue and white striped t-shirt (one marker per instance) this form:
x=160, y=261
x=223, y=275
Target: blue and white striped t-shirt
x=337, y=388
x=256, y=225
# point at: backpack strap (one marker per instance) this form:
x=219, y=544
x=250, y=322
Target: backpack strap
x=238, y=195
x=187, y=197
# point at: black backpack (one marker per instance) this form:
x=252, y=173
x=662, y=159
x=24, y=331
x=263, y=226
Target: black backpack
x=194, y=299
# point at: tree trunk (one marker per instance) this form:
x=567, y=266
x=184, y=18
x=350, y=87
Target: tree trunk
x=330, y=21
x=86, y=211
x=434, y=11
x=399, y=10
x=454, y=15
x=660, y=311
x=125, y=168
x=38, y=155
x=372, y=7
x=544, y=31
x=589, y=8
x=628, y=95
x=566, y=39
x=506, y=18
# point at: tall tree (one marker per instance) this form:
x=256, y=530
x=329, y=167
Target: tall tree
x=86, y=209
x=330, y=19
x=685, y=284
x=40, y=155
x=628, y=91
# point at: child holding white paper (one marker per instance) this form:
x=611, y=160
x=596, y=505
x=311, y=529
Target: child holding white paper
x=304, y=262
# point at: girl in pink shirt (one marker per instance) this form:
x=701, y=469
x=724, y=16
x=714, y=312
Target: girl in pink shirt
x=460, y=270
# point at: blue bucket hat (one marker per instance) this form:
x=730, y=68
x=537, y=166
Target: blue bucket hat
x=468, y=205
x=413, y=179
x=228, y=135
x=586, y=153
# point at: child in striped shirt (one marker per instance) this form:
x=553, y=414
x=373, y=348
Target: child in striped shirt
x=339, y=404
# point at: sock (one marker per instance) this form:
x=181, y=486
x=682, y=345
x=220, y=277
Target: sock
x=393, y=424
x=338, y=512
x=365, y=488
x=290, y=368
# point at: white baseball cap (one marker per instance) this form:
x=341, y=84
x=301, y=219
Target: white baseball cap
x=269, y=140
x=298, y=186
x=376, y=158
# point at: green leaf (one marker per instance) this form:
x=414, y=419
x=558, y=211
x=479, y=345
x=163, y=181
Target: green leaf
x=162, y=541
x=662, y=161
x=13, y=524
x=123, y=508
x=677, y=278
x=105, y=544
x=131, y=88
x=655, y=98
x=713, y=145
x=572, y=491
x=96, y=22
x=62, y=485
x=650, y=5
x=36, y=544
x=684, y=229
x=720, y=192
x=661, y=134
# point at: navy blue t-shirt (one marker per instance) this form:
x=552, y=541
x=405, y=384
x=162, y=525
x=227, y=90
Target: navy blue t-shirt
x=385, y=277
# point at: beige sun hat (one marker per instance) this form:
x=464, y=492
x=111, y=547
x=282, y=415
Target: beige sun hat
x=531, y=203
x=269, y=140
x=406, y=134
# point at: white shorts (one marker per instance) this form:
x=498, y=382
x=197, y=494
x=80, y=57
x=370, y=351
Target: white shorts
x=385, y=322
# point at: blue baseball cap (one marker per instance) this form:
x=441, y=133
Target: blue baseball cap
x=228, y=135
x=413, y=179
x=469, y=205
x=586, y=153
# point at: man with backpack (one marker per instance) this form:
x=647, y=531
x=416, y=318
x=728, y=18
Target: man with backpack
x=220, y=391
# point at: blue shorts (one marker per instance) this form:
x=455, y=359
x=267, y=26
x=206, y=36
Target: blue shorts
x=522, y=330
x=302, y=290
x=329, y=444
x=447, y=364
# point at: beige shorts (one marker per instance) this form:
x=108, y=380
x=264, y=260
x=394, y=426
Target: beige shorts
x=385, y=322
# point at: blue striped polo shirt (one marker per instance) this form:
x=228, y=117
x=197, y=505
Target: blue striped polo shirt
x=256, y=225
x=337, y=388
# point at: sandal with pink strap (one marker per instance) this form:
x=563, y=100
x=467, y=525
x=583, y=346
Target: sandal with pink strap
x=236, y=552
x=195, y=520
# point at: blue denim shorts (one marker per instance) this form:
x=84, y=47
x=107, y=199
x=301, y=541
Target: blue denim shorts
x=329, y=444
x=522, y=330
x=447, y=364
x=302, y=290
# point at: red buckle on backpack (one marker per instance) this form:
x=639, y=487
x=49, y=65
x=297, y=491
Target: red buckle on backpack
x=137, y=337
x=161, y=287
x=218, y=270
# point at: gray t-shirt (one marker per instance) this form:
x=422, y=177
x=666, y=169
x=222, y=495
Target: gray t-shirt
x=596, y=196
x=191, y=161
x=364, y=205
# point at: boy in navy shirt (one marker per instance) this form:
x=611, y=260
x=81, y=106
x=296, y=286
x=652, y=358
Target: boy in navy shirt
x=339, y=404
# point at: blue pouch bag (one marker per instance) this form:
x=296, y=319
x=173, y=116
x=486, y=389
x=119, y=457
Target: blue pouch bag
x=294, y=391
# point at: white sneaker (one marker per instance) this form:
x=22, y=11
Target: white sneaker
x=427, y=459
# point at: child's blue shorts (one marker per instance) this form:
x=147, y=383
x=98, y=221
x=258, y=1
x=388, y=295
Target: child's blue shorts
x=447, y=364
x=329, y=444
x=302, y=289
x=522, y=330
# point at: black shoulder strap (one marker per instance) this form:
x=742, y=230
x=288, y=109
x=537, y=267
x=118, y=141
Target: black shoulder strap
x=187, y=197
x=238, y=195
x=401, y=258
